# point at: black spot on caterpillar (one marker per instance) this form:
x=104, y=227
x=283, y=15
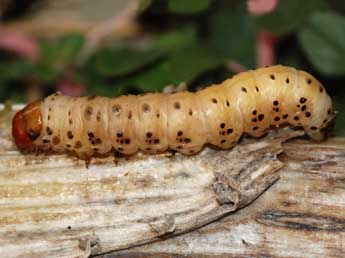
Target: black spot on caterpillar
x=250, y=102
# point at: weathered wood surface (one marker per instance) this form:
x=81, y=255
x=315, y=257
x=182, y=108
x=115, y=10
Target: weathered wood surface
x=52, y=206
x=301, y=215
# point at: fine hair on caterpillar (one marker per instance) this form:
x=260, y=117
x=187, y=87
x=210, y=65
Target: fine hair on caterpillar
x=249, y=103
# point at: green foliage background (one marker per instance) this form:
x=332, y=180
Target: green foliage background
x=192, y=41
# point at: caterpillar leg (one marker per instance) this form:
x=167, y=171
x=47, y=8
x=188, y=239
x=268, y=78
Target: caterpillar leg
x=86, y=157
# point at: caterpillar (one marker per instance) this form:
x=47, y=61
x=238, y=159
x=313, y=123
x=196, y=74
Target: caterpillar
x=249, y=103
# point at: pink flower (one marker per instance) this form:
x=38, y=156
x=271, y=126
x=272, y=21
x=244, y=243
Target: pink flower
x=235, y=66
x=70, y=88
x=260, y=7
x=265, y=48
x=265, y=41
x=19, y=43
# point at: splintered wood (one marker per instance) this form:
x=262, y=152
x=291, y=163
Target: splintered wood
x=53, y=206
x=301, y=215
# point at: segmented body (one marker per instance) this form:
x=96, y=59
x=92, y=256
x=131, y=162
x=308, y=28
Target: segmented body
x=250, y=102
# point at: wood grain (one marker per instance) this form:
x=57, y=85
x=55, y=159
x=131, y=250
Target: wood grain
x=302, y=215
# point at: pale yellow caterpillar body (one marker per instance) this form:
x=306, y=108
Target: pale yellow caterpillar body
x=249, y=103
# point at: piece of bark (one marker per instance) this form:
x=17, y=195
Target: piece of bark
x=53, y=206
x=302, y=215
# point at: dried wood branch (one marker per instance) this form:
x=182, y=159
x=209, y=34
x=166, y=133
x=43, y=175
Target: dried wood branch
x=53, y=206
x=302, y=215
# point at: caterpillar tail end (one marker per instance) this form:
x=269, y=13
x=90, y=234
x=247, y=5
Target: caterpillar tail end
x=27, y=126
x=324, y=131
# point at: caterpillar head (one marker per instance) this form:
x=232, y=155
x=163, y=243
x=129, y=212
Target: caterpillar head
x=27, y=126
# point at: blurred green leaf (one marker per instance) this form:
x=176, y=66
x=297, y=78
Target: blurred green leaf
x=323, y=41
x=16, y=69
x=13, y=72
x=69, y=48
x=189, y=6
x=96, y=84
x=182, y=66
x=46, y=73
x=101, y=88
x=17, y=96
x=57, y=55
x=120, y=62
x=289, y=15
x=339, y=127
x=233, y=35
x=175, y=39
x=190, y=62
x=144, y=4
x=61, y=52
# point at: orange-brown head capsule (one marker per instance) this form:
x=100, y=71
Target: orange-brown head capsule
x=27, y=126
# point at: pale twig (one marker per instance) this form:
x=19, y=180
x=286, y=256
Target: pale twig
x=119, y=24
x=235, y=66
